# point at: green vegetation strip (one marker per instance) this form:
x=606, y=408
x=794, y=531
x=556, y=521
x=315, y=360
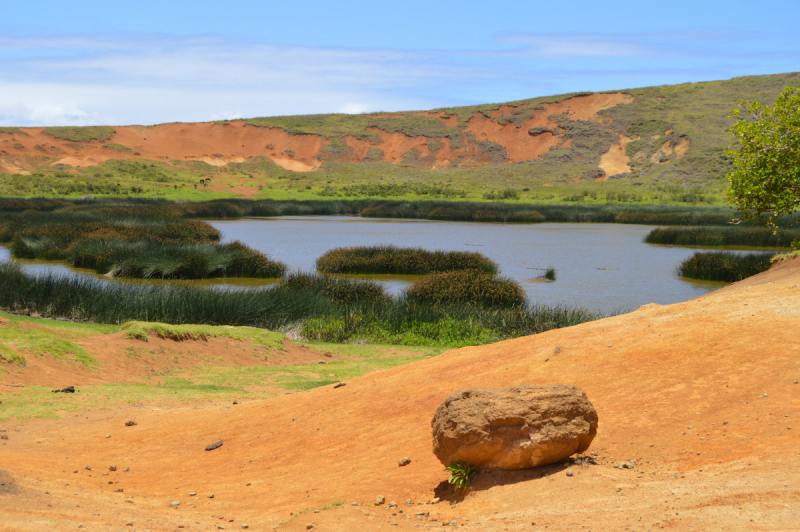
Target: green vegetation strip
x=430, y=210
x=345, y=311
x=749, y=236
x=724, y=265
x=391, y=259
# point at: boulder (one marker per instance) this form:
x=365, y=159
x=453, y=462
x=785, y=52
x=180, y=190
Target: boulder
x=518, y=427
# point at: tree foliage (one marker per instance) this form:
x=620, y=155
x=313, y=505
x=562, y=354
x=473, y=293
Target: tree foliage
x=766, y=164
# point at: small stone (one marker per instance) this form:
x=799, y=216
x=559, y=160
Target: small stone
x=766, y=395
x=392, y=504
x=569, y=472
x=340, y=385
x=129, y=500
x=213, y=446
x=3, y=436
x=321, y=362
x=353, y=504
x=108, y=435
x=689, y=427
x=329, y=355
x=88, y=468
x=175, y=504
x=192, y=493
x=380, y=499
x=119, y=490
x=74, y=470
x=435, y=500
x=626, y=465
x=112, y=468
x=245, y=525
x=309, y=526
x=409, y=501
x=131, y=423
x=724, y=422
x=210, y=495
x=404, y=461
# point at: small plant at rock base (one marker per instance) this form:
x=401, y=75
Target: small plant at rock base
x=461, y=475
x=550, y=274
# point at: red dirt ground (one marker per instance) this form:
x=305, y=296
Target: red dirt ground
x=218, y=144
x=703, y=395
x=131, y=360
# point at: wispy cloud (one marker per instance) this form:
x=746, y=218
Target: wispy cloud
x=616, y=45
x=150, y=78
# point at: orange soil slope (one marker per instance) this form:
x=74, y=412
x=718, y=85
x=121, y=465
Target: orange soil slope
x=220, y=143
x=125, y=359
x=703, y=395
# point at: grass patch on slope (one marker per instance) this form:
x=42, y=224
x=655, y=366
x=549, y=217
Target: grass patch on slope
x=142, y=330
x=206, y=383
x=81, y=134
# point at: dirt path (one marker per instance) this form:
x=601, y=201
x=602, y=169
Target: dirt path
x=703, y=395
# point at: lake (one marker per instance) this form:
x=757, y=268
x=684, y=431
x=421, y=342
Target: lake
x=603, y=267
x=598, y=266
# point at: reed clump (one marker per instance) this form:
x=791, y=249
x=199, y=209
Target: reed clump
x=466, y=286
x=339, y=290
x=396, y=260
x=133, y=240
x=724, y=265
x=746, y=236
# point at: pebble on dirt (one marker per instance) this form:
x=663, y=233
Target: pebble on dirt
x=213, y=446
x=404, y=461
x=380, y=499
x=175, y=504
x=130, y=423
x=112, y=468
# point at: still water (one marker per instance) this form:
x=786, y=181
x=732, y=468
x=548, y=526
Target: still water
x=603, y=267
x=598, y=266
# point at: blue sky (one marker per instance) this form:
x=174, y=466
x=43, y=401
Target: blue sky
x=145, y=62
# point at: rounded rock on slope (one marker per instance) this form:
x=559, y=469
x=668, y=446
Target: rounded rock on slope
x=513, y=428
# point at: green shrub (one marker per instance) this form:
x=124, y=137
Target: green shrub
x=394, y=260
x=461, y=475
x=466, y=286
x=724, y=265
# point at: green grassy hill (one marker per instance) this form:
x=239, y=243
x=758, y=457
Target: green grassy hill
x=667, y=145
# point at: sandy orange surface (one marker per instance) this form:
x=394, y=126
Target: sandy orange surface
x=702, y=397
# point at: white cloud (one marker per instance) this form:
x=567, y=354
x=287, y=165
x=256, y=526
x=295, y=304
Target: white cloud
x=354, y=108
x=152, y=79
x=147, y=78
